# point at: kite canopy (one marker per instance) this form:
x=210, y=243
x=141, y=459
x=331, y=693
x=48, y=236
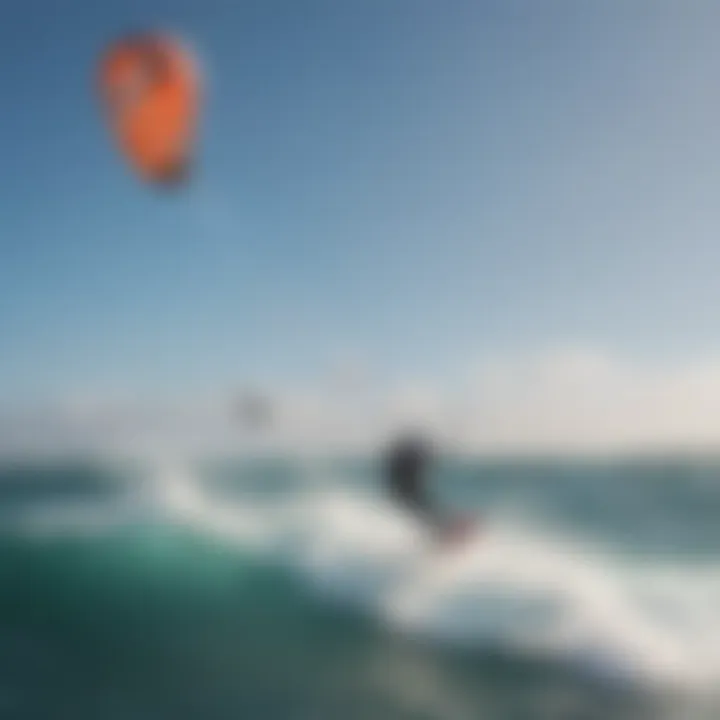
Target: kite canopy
x=150, y=89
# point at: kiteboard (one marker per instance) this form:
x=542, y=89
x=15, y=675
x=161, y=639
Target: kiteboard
x=459, y=532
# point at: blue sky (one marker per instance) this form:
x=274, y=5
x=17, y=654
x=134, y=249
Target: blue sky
x=412, y=182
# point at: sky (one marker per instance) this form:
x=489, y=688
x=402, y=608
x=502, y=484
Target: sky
x=429, y=194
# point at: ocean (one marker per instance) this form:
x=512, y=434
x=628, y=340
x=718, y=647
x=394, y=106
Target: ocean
x=291, y=589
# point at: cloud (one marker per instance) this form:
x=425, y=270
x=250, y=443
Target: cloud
x=574, y=399
x=563, y=400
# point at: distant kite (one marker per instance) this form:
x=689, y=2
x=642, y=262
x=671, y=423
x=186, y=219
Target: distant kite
x=253, y=411
x=150, y=88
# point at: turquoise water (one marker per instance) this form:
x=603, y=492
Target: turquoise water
x=280, y=590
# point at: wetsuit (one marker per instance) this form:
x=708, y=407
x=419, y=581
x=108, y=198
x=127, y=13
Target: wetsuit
x=405, y=470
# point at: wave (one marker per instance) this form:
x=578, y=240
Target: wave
x=514, y=587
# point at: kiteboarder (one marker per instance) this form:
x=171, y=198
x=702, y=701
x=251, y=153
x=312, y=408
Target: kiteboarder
x=406, y=466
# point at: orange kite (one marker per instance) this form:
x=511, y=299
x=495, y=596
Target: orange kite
x=150, y=88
